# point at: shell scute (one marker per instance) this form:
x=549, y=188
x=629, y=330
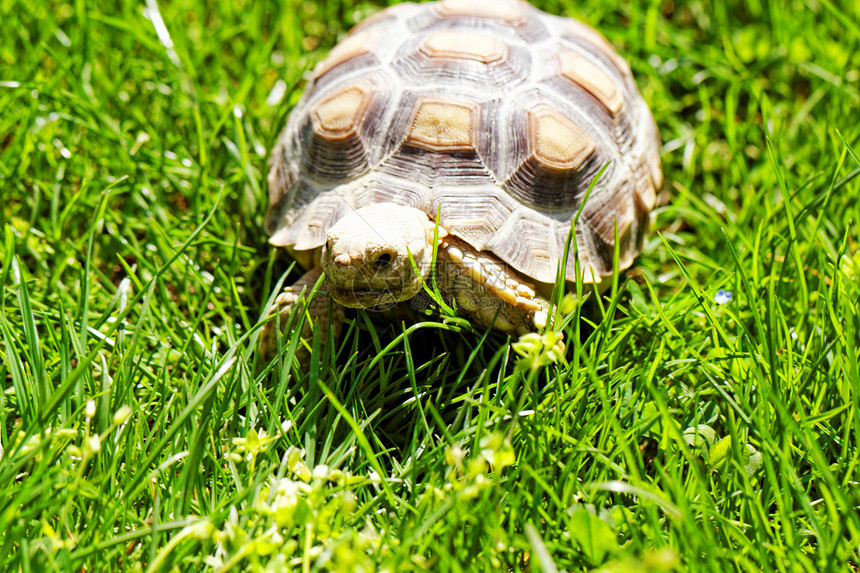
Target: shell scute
x=557, y=143
x=443, y=125
x=505, y=10
x=583, y=73
x=457, y=44
x=463, y=59
x=354, y=52
x=555, y=163
x=338, y=116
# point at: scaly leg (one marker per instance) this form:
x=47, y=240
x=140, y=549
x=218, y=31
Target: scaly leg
x=294, y=300
x=488, y=291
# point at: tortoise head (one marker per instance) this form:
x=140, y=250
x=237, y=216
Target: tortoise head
x=366, y=256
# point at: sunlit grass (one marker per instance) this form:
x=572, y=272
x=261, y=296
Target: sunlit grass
x=684, y=429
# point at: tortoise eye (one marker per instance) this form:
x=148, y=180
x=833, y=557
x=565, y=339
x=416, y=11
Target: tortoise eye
x=383, y=260
x=328, y=246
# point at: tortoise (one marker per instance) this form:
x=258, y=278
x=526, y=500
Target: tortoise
x=461, y=136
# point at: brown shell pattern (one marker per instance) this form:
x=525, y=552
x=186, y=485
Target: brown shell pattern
x=494, y=115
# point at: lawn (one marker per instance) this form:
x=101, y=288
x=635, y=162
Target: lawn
x=705, y=412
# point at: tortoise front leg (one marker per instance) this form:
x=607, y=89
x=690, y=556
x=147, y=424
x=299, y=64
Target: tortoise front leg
x=487, y=290
x=294, y=300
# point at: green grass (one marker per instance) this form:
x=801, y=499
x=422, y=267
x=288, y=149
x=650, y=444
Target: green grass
x=140, y=430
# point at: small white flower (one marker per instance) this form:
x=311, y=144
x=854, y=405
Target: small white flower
x=723, y=296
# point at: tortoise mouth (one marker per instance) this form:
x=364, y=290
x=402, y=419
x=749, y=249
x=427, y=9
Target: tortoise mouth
x=374, y=292
x=373, y=298
x=369, y=286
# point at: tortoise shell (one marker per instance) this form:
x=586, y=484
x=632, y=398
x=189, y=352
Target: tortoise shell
x=493, y=117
